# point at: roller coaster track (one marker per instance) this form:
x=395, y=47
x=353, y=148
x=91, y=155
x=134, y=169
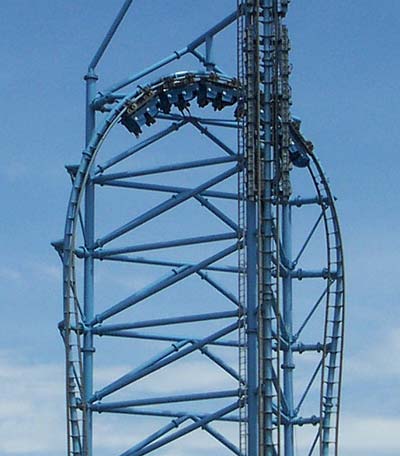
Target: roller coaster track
x=268, y=338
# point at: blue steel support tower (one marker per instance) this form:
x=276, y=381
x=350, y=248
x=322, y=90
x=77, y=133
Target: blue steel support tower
x=244, y=334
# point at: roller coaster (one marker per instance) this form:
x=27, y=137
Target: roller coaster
x=203, y=277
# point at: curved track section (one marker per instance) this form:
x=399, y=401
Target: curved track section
x=168, y=99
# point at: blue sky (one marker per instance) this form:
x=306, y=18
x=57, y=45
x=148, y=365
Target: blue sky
x=345, y=88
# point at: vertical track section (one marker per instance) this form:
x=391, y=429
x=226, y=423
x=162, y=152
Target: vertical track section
x=242, y=288
x=269, y=330
x=287, y=289
x=332, y=366
x=252, y=154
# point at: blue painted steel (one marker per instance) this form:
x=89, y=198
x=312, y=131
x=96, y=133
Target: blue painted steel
x=168, y=399
x=170, y=189
x=267, y=376
x=142, y=260
x=264, y=236
x=252, y=328
x=167, y=281
x=107, y=39
x=164, y=430
x=167, y=244
x=170, y=321
x=196, y=425
x=141, y=372
x=168, y=413
x=89, y=236
x=166, y=168
x=163, y=207
x=145, y=143
x=287, y=298
x=192, y=46
x=169, y=338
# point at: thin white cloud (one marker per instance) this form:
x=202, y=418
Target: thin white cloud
x=31, y=407
x=32, y=414
x=377, y=360
x=9, y=274
x=370, y=435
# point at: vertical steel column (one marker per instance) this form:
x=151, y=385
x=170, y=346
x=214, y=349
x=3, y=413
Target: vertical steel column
x=88, y=302
x=285, y=167
x=88, y=310
x=267, y=447
x=287, y=310
x=252, y=145
x=252, y=371
x=210, y=65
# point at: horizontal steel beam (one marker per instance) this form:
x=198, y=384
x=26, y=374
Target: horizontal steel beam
x=173, y=264
x=228, y=123
x=164, y=413
x=299, y=201
x=301, y=347
x=102, y=253
x=168, y=399
x=169, y=321
x=158, y=337
x=165, y=169
x=168, y=189
x=312, y=274
x=314, y=420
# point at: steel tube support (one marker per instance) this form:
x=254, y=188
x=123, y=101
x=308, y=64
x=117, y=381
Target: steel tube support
x=166, y=413
x=219, y=437
x=156, y=435
x=287, y=308
x=88, y=300
x=159, y=285
x=109, y=35
x=251, y=235
x=209, y=61
x=140, y=373
x=170, y=321
x=168, y=399
x=252, y=355
x=165, y=168
x=160, y=338
x=174, y=56
x=142, y=145
x=168, y=189
x=163, y=207
x=267, y=444
x=196, y=425
x=167, y=244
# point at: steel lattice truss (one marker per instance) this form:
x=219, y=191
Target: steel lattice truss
x=201, y=294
